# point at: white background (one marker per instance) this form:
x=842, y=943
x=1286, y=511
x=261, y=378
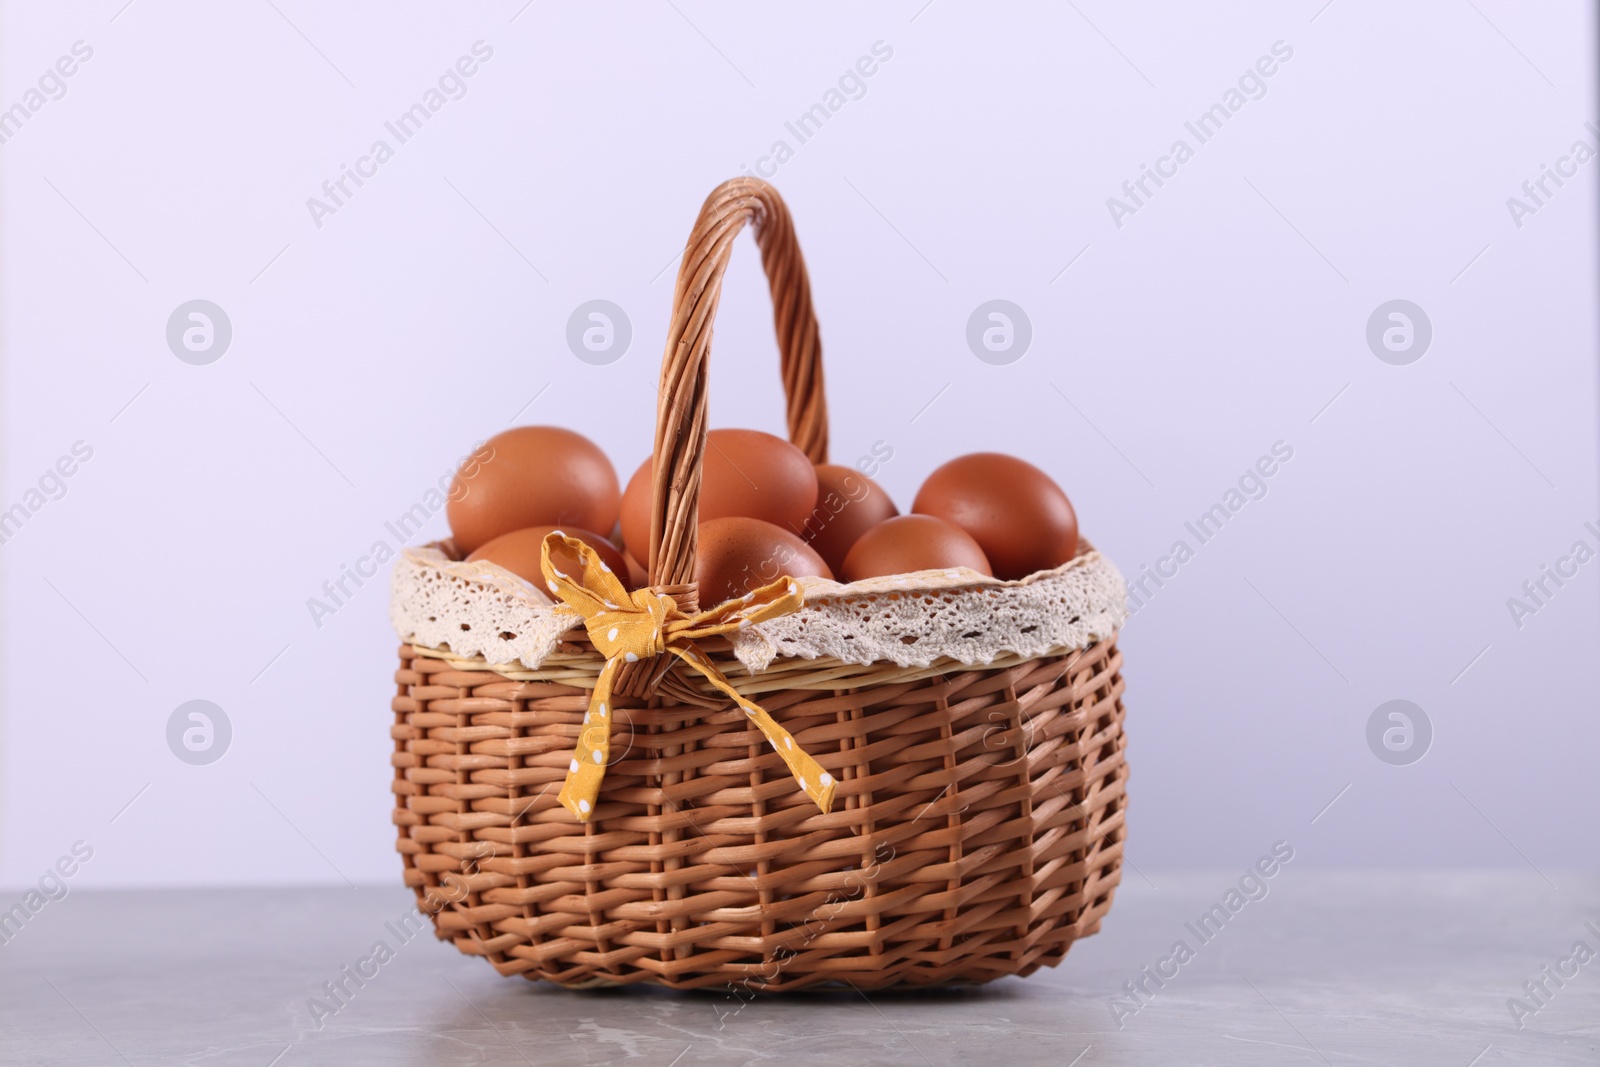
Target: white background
x=1227, y=314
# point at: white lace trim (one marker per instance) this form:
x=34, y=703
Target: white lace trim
x=912, y=620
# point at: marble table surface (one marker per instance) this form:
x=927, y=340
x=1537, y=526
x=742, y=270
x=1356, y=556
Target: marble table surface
x=1394, y=968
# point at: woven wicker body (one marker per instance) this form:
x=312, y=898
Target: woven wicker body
x=977, y=826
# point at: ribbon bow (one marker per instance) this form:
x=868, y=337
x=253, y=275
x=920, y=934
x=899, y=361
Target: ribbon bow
x=629, y=626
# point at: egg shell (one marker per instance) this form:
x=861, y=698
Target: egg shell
x=736, y=555
x=745, y=473
x=638, y=573
x=1014, y=510
x=531, y=476
x=848, y=505
x=913, y=543
x=757, y=476
x=636, y=514
x=520, y=551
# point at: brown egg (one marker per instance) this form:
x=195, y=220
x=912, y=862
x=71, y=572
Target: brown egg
x=758, y=476
x=746, y=473
x=913, y=543
x=531, y=476
x=638, y=573
x=520, y=551
x=848, y=505
x=636, y=514
x=1021, y=519
x=737, y=555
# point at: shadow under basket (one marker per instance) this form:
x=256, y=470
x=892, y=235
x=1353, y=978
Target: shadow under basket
x=977, y=831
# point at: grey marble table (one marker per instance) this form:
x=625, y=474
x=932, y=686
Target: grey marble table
x=1374, y=968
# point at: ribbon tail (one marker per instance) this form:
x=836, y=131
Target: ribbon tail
x=815, y=782
x=581, y=791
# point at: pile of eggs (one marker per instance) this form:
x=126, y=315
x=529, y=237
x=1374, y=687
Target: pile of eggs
x=765, y=511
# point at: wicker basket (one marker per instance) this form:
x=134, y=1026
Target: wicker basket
x=978, y=824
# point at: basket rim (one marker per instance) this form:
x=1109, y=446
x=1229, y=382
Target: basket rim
x=577, y=665
x=441, y=554
x=481, y=610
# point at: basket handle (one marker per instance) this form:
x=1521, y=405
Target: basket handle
x=681, y=409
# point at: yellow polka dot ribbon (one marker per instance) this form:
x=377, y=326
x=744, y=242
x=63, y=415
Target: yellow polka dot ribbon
x=629, y=626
